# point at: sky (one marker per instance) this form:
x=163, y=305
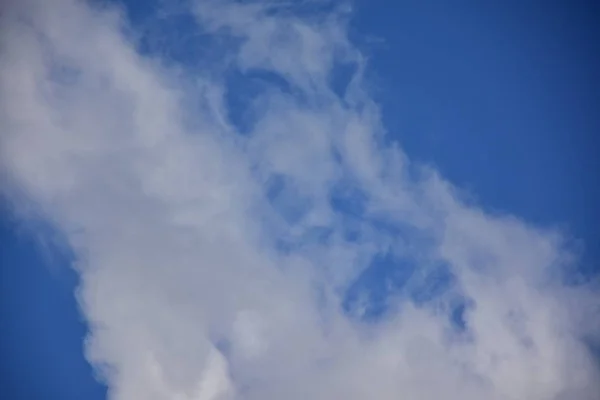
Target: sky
x=211, y=200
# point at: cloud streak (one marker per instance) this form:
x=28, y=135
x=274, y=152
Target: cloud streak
x=221, y=261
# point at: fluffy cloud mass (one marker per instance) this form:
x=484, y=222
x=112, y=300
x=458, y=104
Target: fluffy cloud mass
x=245, y=229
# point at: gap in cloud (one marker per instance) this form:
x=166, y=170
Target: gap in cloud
x=432, y=283
x=245, y=91
x=391, y=282
x=349, y=200
x=376, y=290
x=341, y=76
x=285, y=198
x=167, y=32
x=438, y=288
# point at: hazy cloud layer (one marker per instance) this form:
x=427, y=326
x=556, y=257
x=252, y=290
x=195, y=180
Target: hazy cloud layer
x=231, y=259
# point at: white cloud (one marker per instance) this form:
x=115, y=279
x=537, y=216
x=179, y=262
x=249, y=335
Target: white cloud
x=213, y=263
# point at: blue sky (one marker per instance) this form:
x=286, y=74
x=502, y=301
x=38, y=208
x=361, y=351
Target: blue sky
x=500, y=99
x=510, y=115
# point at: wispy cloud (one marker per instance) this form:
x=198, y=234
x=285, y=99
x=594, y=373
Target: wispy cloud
x=221, y=261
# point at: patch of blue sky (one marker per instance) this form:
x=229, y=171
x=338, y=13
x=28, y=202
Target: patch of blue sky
x=42, y=341
x=245, y=91
x=286, y=198
x=349, y=200
x=371, y=294
x=341, y=76
x=390, y=282
x=390, y=276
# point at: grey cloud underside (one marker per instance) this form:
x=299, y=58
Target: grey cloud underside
x=215, y=263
